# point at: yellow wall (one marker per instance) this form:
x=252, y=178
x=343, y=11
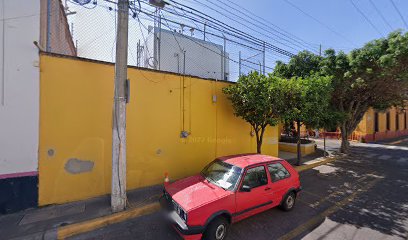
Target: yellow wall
x=304, y=149
x=392, y=112
x=366, y=125
x=369, y=120
x=401, y=121
x=382, y=122
x=75, y=122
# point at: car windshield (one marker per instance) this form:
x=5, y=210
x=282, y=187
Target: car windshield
x=222, y=174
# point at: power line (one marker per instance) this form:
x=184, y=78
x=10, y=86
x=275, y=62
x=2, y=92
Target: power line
x=212, y=19
x=381, y=15
x=399, y=13
x=237, y=36
x=234, y=36
x=235, y=33
x=269, y=25
x=366, y=18
x=253, y=24
x=241, y=23
x=320, y=22
x=198, y=43
x=253, y=40
x=152, y=16
x=207, y=32
x=185, y=14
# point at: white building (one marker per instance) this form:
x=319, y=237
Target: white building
x=23, y=22
x=176, y=52
x=19, y=101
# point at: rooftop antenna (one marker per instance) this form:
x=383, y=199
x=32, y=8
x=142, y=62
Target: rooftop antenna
x=182, y=28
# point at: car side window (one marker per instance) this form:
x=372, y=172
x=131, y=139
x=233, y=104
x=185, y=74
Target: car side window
x=278, y=172
x=255, y=177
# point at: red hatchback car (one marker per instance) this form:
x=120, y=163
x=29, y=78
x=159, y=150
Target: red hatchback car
x=228, y=190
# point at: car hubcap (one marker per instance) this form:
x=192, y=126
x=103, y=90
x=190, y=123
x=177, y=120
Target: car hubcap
x=220, y=233
x=290, y=201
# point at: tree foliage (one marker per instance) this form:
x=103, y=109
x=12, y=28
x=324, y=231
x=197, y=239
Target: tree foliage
x=375, y=75
x=306, y=101
x=256, y=99
x=372, y=76
x=302, y=65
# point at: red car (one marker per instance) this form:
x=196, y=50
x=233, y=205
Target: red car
x=228, y=190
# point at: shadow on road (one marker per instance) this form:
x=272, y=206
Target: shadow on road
x=384, y=207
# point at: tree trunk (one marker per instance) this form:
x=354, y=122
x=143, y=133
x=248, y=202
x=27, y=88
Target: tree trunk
x=299, y=153
x=258, y=146
x=259, y=138
x=345, y=144
x=324, y=143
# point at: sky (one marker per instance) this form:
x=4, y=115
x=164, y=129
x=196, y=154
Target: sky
x=340, y=15
x=334, y=24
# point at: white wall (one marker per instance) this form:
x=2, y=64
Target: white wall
x=19, y=113
x=203, y=59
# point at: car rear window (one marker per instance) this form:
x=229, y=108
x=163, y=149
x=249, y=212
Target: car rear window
x=278, y=172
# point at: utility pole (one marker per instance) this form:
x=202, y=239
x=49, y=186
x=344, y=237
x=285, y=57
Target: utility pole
x=320, y=50
x=205, y=25
x=223, y=59
x=159, y=41
x=263, y=57
x=118, y=195
x=239, y=64
x=138, y=54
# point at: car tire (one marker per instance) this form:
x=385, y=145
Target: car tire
x=288, y=202
x=217, y=229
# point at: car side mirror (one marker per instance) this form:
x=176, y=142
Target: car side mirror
x=245, y=188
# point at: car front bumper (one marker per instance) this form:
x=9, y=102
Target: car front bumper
x=182, y=227
x=187, y=232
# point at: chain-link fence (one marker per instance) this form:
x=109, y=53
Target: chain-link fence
x=173, y=38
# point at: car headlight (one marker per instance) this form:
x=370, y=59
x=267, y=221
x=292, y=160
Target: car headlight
x=180, y=211
x=185, y=217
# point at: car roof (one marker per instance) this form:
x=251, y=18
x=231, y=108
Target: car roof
x=245, y=160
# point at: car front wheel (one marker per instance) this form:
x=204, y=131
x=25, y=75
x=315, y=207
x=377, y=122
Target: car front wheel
x=289, y=201
x=217, y=229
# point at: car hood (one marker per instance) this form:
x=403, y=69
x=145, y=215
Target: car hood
x=195, y=191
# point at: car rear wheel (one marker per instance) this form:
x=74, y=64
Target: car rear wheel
x=217, y=229
x=289, y=201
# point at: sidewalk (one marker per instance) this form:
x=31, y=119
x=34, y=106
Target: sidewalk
x=43, y=223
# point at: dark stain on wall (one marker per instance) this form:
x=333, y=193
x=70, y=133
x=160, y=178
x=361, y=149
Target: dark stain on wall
x=18, y=193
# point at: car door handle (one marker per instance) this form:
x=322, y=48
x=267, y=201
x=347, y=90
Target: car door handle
x=268, y=188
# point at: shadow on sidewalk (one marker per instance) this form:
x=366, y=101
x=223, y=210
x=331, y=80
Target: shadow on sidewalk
x=42, y=223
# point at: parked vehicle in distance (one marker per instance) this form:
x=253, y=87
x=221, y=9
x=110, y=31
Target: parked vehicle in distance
x=228, y=190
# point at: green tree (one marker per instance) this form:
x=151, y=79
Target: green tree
x=375, y=75
x=256, y=99
x=306, y=101
x=302, y=65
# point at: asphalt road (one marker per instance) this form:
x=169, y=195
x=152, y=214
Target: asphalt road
x=363, y=195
